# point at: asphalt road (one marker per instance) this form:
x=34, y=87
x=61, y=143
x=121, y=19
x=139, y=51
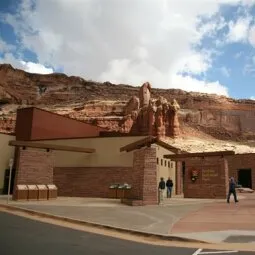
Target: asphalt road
x=23, y=236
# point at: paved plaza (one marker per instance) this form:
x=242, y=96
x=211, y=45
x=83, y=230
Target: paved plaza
x=201, y=219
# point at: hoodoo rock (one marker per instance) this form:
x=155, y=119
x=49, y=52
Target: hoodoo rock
x=149, y=116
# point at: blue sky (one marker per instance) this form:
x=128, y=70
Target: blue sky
x=196, y=45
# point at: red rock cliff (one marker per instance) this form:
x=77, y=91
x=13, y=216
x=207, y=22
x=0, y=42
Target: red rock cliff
x=105, y=103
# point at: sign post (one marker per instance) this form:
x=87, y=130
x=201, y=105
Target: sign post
x=10, y=177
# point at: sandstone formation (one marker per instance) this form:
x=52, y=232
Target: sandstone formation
x=147, y=116
x=105, y=104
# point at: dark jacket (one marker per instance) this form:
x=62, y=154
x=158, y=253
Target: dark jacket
x=161, y=185
x=169, y=183
x=232, y=185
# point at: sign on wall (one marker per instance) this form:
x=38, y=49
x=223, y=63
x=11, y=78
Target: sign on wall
x=208, y=174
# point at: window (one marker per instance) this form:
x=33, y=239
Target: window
x=168, y=163
x=157, y=161
x=165, y=162
x=161, y=162
x=172, y=164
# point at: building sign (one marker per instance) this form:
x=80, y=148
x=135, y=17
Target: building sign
x=208, y=174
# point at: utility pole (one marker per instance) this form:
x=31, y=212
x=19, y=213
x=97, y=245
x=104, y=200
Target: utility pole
x=10, y=177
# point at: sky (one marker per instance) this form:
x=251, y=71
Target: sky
x=196, y=45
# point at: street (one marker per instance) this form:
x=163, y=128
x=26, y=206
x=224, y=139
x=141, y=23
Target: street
x=23, y=236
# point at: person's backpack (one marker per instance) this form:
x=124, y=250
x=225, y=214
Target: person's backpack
x=162, y=185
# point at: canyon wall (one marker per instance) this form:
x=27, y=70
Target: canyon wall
x=105, y=103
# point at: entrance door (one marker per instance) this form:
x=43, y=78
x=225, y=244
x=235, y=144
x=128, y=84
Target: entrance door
x=6, y=181
x=244, y=178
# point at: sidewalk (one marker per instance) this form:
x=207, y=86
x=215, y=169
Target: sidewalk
x=202, y=219
x=220, y=222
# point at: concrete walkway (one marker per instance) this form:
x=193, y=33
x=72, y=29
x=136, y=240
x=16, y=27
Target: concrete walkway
x=202, y=219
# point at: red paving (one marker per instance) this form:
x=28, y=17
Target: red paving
x=220, y=216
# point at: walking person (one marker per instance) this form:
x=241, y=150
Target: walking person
x=161, y=187
x=232, y=189
x=169, y=185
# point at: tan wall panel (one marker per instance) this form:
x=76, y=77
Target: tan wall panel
x=6, y=152
x=107, y=152
x=166, y=171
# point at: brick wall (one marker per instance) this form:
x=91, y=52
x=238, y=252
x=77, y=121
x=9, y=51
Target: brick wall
x=242, y=161
x=89, y=181
x=95, y=181
x=34, y=166
x=212, y=179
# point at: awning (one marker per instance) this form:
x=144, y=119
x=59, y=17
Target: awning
x=50, y=146
x=183, y=156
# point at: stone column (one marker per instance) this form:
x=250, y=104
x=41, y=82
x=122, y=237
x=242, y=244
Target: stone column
x=145, y=176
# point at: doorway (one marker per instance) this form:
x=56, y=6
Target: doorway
x=244, y=178
x=6, y=181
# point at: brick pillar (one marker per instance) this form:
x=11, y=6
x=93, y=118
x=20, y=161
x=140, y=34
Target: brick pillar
x=226, y=174
x=34, y=166
x=145, y=176
x=179, y=178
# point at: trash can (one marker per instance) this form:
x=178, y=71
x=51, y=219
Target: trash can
x=42, y=192
x=32, y=192
x=113, y=190
x=52, y=191
x=127, y=190
x=122, y=190
x=21, y=192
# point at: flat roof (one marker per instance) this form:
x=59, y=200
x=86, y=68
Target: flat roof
x=60, y=115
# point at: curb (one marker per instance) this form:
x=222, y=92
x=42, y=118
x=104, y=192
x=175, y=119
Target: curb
x=103, y=226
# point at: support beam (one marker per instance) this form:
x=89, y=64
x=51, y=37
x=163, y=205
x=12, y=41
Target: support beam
x=147, y=142
x=50, y=146
x=183, y=156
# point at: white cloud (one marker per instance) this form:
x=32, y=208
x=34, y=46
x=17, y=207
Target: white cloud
x=4, y=47
x=239, y=30
x=127, y=72
x=191, y=84
x=195, y=63
x=125, y=41
x=252, y=98
x=26, y=66
x=251, y=37
x=225, y=71
x=36, y=68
